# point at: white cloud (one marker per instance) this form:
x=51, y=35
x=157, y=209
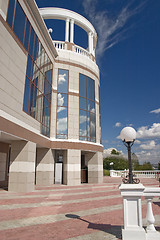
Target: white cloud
x=110, y=29
x=118, y=124
x=149, y=132
x=62, y=78
x=61, y=125
x=155, y=111
x=137, y=142
x=148, y=145
x=149, y=155
x=107, y=152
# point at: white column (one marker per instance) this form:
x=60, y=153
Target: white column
x=92, y=43
x=132, y=210
x=72, y=31
x=67, y=30
x=89, y=42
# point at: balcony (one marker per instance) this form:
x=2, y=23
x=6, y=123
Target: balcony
x=60, y=45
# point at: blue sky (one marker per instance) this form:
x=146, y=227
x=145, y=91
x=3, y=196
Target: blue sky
x=128, y=55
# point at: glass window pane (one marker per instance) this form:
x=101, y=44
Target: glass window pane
x=10, y=12
x=63, y=81
x=62, y=100
x=82, y=103
x=41, y=82
x=83, y=138
x=92, y=90
x=61, y=136
x=39, y=106
x=31, y=43
x=92, y=125
x=88, y=87
x=92, y=106
x=27, y=32
x=62, y=122
x=83, y=123
x=93, y=140
x=35, y=48
x=88, y=124
x=26, y=95
x=82, y=85
x=19, y=22
x=29, y=67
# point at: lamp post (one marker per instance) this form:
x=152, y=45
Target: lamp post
x=128, y=136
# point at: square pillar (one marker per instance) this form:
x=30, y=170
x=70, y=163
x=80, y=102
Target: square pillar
x=22, y=166
x=72, y=167
x=45, y=167
x=132, y=211
x=95, y=167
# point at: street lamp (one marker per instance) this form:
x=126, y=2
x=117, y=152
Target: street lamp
x=128, y=136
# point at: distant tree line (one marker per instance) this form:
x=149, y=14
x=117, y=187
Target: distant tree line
x=117, y=161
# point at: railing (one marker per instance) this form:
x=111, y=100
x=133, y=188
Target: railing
x=133, y=227
x=139, y=174
x=59, y=45
x=81, y=51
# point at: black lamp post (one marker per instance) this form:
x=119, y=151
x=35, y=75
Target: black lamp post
x=128, y=136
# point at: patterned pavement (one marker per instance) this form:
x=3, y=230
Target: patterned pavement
x=85, y=212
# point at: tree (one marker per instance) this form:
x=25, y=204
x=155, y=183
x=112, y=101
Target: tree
x=114, y=152
x=159, y=166
x=119, y=163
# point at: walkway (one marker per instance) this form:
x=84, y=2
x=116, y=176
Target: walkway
x=86, y=212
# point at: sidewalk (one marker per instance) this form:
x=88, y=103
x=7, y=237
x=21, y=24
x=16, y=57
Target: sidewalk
x=85, y=212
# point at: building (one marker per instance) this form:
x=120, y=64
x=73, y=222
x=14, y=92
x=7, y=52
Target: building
x=49, y=100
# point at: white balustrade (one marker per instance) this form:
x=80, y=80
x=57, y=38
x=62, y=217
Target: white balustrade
x=132, y=206
x=59, y=45
x=139, y=174
x=81, y=51
x=77, y=49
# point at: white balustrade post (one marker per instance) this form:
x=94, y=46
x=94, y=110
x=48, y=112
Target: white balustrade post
x=67, y=30
x=72, y=31
x=150, y=217
x=132, y=211
x=151, y=233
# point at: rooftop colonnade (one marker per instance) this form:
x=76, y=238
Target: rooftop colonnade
x=72, y=18
x=49, y=118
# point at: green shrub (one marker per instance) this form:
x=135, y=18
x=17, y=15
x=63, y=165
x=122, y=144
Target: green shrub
x=106, y=172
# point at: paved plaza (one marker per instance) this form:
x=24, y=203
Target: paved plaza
x=87, y=212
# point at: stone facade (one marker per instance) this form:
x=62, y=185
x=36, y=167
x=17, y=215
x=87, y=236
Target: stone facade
x=27, y=155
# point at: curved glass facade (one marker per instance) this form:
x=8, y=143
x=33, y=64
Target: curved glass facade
x=87, y=113
x=37, y=92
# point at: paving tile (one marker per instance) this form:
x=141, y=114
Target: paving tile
x=86, y=212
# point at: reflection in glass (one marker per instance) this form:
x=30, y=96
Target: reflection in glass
x=92, y=106
x=92, y=125
x=26, y=95
x=87, y=109
x=83, y=123
x=63, y=81
x=19, y=22
x=62, y=99
x=92, y=90
x=82, y=103
x=82, y=85
x=10, y=12
x=27, y=33
x=62, y=122
x=62, y=104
